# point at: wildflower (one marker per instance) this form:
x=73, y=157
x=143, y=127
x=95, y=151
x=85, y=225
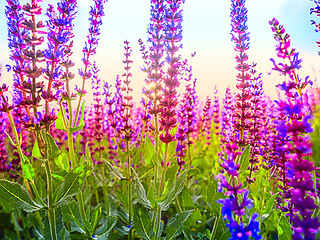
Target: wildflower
x=256, y=132
x=173, y=35
x=98, y=110
x=3, y=151
x=296, y=126
x=59, y=35
x=186, y=119
x=240, y=36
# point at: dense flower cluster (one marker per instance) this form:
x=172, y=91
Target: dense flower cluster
x=296, y=126
x=186, y=119
x=173, y=36
x=232, y=206
x=168, y=167
x=240, y=36
x=256, y=132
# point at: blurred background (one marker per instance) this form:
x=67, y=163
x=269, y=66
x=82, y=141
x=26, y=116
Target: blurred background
x=206, y=30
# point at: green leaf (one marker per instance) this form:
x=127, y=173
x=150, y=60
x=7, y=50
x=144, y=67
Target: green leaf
x=81, y=123
x=73, y=182
x=225, y=236
x=177, y=187
x=216, y=207
x=59, y=121
x=88, y=226
x=41, y=186
x=174, y=229
x=63, y=162
x=96, y=217
x=193, y=219
x=187, y=233
x=286, y=229
x=149, y=155
x=9, y=235
x=17, y=196
x=71, y=213
x=142, y=222
x=27, y=169
x=211, y=190
x=185, y=200
x=105, y=229
x=269, y=204
x=114, y=171
x=52, y=149
x=36, y=151
x=256, y=202
x=244, y=159
x=193, y=172
x=201, y=154
x=141, y=193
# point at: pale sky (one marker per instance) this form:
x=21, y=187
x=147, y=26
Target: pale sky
x=206, y=30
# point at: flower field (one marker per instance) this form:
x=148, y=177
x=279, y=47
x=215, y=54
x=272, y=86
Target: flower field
x=174, y=165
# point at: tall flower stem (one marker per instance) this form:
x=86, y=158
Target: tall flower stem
x=51, y=212
x=129, y=177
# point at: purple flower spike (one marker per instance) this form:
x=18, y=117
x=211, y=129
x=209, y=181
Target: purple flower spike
x=295, y=124
x=240, y=36
x=173, y=35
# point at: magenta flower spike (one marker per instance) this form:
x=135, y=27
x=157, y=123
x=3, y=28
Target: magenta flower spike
x=4, y=167
x=173, y=36
x=256, y=133
x=227, y=119
x=240, y=36
x=154, y=67
x=126, y=101
x=215, y=113
x=187, y=122
x=60, y=26
x=98, y=111
x=295, y=126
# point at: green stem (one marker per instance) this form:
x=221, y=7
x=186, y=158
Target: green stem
x=71, y=150
x=14, y=219
x=129, y=189
x=214, y=228
x=81, y=206
x=130, y=209
x=178, y=205
x=105, y=193
x=158, y=221
x=51, y=212
x=154, y=217
x=35, y=190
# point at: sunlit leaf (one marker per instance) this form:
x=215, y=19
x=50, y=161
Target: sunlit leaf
x=17, y=196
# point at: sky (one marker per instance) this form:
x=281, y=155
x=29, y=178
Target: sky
x=206, y=30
